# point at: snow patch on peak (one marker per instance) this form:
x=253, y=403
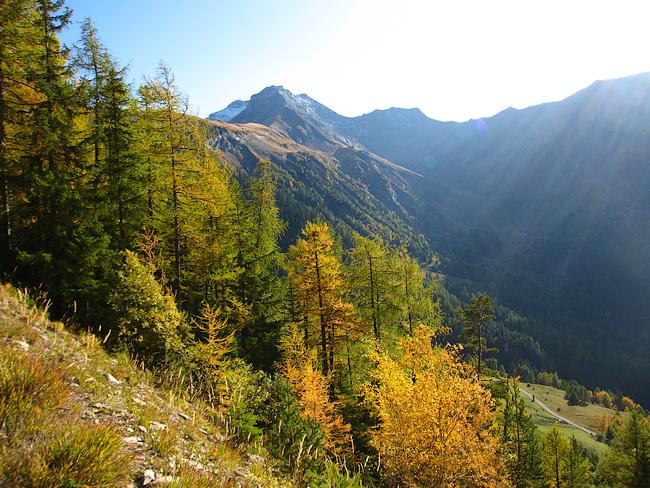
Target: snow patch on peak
x=230, y=112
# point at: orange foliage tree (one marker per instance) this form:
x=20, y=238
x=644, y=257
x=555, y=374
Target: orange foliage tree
x=311, y=388
x=434, y=418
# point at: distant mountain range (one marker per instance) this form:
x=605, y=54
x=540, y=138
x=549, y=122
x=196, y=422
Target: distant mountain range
x=547, y=208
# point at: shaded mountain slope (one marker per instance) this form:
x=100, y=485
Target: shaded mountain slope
x=546, y=207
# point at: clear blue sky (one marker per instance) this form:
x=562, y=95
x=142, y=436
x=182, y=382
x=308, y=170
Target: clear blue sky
x=453, y=59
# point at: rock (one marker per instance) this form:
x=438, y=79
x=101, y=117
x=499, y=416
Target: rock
x=255, y=459
x=142, y=429
x=148, y=477
x=113, y=379
x=23, y=345
x=157, y=426
x=165, y=479
x=132, y=440
x=139, y=401
x=194, y=464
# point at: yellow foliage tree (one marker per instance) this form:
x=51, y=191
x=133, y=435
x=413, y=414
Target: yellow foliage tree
x=554, y=451
x=603, y=398
x=316, y=277
x=215, y=345
x=434, y=418
x=311, y=388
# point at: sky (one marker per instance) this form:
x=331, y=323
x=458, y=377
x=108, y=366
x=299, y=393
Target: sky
x=454, y=59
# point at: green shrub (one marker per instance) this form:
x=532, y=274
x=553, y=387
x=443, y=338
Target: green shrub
x=295, y=441
x=146, y=317
x=245, y=392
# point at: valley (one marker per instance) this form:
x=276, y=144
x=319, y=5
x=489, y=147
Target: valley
x=545, y=208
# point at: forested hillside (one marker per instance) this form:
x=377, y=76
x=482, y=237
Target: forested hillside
x=318, y=344
x=545, y=208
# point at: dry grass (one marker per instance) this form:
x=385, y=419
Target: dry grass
x=67, y=408
x=29, y=390
x=41, y=446
x=79, y=455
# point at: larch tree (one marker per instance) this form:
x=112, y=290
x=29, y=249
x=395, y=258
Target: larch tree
x=182, y=194
x=555, y=448
x=627, y=464
x=316, y=276
x=373, y=283
x=576, y=467
x=414, y=296
x=433, y=418
x=312, y=389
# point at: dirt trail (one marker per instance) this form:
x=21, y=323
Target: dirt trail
x=559, y=417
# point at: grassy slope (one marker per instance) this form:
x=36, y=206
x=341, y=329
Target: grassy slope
x=587, y=415
x=182, y=442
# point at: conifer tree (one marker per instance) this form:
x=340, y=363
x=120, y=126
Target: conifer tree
x=576, y=467
x=415, y=296
x=16, y=96
x=315, y=273
x=214, y=343
x=519, y=438
x=59, y=241
x=184, y=184
x=118, y=172
x=475, y=314
x=258, y=227
x=94, y=60
x=311, y=387
x=373, y=281
x=554, y=451
x=627, y=464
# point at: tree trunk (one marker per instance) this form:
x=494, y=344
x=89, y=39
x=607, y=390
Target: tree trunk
x=480, y=350
x=375, y=323
x=321, y=314
x=5, y=225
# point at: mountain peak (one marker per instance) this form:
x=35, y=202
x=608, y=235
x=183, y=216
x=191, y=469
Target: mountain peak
x=398, y=112
x=227, y=114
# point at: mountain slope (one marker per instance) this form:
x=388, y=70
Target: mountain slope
x=124, y=430
x=351, y=188
x=546, y=208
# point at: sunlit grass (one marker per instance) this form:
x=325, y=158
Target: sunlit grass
x=75, y=455
x=29, y=389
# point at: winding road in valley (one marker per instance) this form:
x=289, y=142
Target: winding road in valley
x=559, y=417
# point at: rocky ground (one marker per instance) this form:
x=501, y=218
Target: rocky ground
x=169, y=439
